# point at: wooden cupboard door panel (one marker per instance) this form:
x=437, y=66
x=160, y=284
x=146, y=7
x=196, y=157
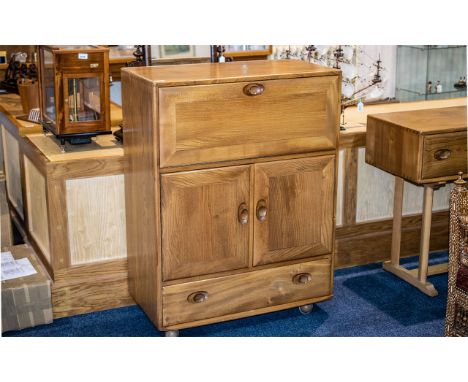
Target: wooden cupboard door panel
x=202, y=231
x=203, y=299
x=299, y=199
x=444, y=155
x=220, y=122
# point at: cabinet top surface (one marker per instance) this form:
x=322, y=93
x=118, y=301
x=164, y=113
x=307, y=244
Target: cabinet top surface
x=228, y=72
x=428, y=121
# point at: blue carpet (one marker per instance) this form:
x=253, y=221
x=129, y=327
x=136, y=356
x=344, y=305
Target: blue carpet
x=367, y=302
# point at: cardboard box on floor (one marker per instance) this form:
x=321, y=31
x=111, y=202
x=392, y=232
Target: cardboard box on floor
x=26, y=301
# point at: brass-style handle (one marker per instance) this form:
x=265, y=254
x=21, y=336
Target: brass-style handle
x=261, y=210
x=442, y=154
x=198, y=297
x=253, y=89
x=243, y=214
x=302, y=278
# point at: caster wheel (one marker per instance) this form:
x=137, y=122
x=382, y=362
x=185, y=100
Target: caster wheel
x=171, y=333
x=306, y=309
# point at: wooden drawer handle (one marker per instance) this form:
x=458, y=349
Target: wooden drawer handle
x=442, y=154
x=243, y=214
x=198, y=297
x=262, y=210
x=302, y=278
x=253, y=89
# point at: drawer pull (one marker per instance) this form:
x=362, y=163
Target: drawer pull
x=302, y=278
x=262, y=210
x=253, y=89
x=198, y=297
x=243, y=214
x=442, y=154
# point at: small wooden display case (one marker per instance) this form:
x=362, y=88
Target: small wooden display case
x=74, y=91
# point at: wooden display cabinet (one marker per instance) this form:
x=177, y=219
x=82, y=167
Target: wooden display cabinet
x=74, y=91
x=230, y=188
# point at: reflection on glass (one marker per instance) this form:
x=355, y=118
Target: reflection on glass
x=84, y=101
x=49, y=86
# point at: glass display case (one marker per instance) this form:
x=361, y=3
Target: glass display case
x=427, y=72
x=74, y=91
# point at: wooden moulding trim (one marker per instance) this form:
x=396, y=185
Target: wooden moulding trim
x=349, y=140
x=409, y=222
x=234, y=316
x=247, y=161
x=245, y=270
x=86, y=168
x=104, y=270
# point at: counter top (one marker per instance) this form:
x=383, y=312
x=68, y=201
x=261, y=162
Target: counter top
x=101, y=146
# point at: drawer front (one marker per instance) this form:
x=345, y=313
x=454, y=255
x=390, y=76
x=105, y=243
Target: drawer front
x=444, y=155
x=211, y=123
x=220, y=296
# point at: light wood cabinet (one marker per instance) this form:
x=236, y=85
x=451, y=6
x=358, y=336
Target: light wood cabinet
x=230, y=188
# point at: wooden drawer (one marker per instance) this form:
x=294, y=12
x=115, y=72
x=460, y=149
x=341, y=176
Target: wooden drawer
x=444, y=155
x=245, y=292
x=220, y=122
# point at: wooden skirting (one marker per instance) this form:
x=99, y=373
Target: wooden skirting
x=90, y=288
x=367, y=243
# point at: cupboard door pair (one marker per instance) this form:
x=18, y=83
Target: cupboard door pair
x=207, y=215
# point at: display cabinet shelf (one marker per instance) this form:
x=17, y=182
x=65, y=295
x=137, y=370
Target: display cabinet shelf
x=419, y=65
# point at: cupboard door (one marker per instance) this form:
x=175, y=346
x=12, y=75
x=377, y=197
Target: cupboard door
x=294, y=209
x=205, y=221
x=230, y=121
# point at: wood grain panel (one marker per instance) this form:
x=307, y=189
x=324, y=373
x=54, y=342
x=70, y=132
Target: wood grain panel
x=96, y=219
x=139, y=100
x=36, y=198
x=340, y=188
x=201, y=232
x=454, y=144
x=299, y=197
x=244, y=292
x=219, y=122
x=89, y=288
x=11, y=157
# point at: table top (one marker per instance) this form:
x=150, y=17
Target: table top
x=428, y=121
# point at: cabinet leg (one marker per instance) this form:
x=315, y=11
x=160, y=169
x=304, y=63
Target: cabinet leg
x=171, y=333
x=306, y=309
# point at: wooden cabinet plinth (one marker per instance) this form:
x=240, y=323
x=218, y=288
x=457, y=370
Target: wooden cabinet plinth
x=230, y=188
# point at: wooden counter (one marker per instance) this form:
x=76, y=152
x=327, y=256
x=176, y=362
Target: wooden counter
x=72, y=209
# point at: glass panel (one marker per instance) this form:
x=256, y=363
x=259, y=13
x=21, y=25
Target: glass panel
x=49, y=85
x=84, y=99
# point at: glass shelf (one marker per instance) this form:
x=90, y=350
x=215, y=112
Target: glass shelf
x=433, y=93
x=417, y=65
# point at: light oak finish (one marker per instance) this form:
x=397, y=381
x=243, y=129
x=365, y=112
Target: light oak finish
x=211, y=150
x=202, y=228
x=244, y=292
x=370, y=190
x=299, y=196
x=36, y=198
x=427, y=147
x=11, y=157
x=96, y=218
x=87, y=257
x=219, y=122
x=407, y=144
